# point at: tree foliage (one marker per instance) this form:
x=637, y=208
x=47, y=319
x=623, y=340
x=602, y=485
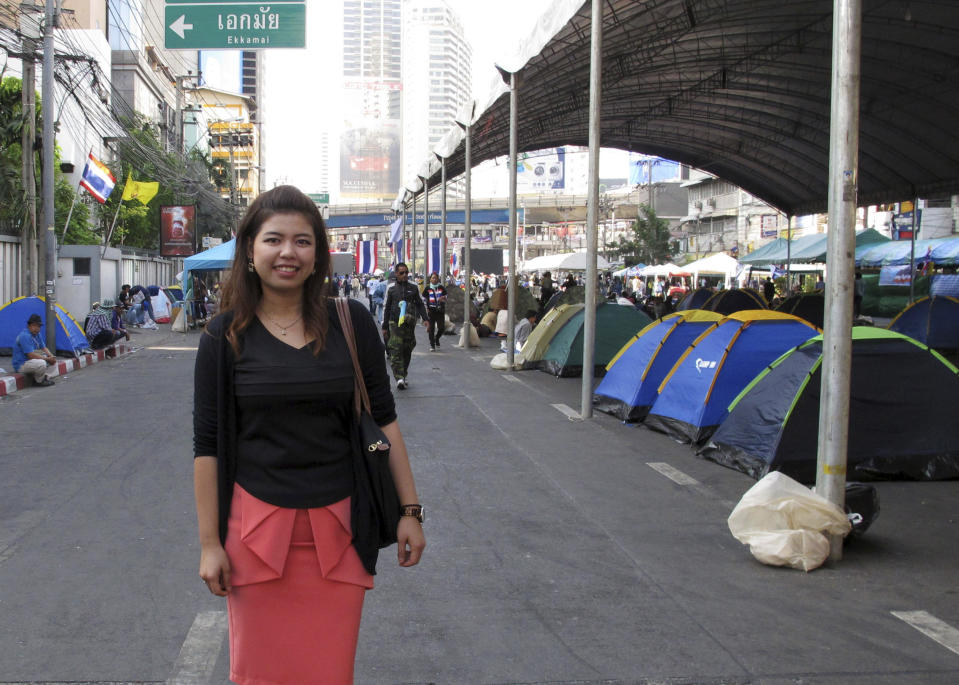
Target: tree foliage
x=650, y=242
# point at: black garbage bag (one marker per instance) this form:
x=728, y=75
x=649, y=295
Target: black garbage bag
x=862, y=506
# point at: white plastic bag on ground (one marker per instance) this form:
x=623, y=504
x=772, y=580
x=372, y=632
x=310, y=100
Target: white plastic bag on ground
x=784, y=523
x=500, y=363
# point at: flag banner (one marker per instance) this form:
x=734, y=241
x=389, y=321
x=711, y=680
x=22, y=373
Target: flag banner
x=97, y=179
x=365, y=256
x=396, y=230
x=434, y=253
x=777, y=272
x=177, y=231
x=927, y=262
x=142, y=191
x=455, y=264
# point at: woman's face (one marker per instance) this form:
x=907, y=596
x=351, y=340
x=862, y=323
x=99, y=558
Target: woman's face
x=284, y=252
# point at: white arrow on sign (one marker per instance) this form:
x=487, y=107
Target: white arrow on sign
x=180, y=26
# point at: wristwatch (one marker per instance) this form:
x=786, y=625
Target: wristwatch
x=414, y=510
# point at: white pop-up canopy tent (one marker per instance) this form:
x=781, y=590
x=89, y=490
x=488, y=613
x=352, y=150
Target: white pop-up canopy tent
x=719, y=263
x=666, y=269
x=568, y=261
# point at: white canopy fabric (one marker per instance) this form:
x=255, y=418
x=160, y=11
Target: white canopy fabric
x=663, y=269
x=718, y=263
x=569, y=261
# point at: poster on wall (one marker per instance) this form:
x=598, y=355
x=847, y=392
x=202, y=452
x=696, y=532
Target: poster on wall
x=177, y=230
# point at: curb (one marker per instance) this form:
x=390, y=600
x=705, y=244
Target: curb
x=10, y=383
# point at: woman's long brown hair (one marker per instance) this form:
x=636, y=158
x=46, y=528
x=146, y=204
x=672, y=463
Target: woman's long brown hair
x=242, y=291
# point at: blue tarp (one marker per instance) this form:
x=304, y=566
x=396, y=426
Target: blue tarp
x=214, y=259
x=13, y=319
x=941, y=251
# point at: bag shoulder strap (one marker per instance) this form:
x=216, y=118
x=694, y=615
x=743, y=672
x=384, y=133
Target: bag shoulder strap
x=361, y=399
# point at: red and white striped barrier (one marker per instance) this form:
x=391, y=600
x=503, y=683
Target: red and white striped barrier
x=10, y=383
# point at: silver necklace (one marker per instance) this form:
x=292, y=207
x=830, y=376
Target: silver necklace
x=282, y=328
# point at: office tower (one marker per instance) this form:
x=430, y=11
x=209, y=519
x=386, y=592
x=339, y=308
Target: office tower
x=370, y=139
x=436, y=78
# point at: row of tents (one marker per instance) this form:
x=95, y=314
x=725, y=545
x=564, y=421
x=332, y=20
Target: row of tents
x=744, y=391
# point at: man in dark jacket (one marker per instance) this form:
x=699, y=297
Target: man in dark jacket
x=403, y=304
x=434, y=297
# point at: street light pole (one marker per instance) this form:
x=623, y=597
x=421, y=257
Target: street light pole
x=49, y=116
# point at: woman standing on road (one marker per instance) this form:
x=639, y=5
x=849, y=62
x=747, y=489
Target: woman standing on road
x=273, y=445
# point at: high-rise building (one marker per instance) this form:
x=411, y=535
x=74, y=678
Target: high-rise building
x=370, y=139
x=436, y=78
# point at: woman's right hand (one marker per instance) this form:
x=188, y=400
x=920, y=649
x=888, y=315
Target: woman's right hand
x=215, y=569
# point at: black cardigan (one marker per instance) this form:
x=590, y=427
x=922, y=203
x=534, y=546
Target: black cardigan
x=214, y=400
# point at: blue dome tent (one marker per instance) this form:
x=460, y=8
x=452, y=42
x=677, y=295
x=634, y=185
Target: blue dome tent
x=13, y=318
x=633, y=376
x=930, y=320
x=694, y=396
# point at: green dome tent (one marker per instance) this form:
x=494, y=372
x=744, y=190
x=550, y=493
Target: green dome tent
x=902, y=419
x=615, y=325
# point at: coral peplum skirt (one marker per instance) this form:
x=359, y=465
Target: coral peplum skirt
x=297, y=593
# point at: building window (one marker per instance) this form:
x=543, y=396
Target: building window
x=81, y=266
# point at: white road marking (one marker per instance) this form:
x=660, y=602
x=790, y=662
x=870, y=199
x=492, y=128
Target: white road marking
x=510, y=377
x=200, y=650
x=930, y=626
x=673, y=474
x=571, y=413
x=479, y=358
x=174, y=349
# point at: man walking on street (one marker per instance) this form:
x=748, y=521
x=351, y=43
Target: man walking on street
x=434, y=296
x=403, y=304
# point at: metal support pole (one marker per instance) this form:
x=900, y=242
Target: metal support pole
x=789, y=241
x=412, y=264
x=443, y=221
x=592, y=206
x=30, y=282
x=398, y=257
x=426, y=226
x=843, y=180
x=49, y=116
x=912, y=253
x=511, y=283
x=467, y=233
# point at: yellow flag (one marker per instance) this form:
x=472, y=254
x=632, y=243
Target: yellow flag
x=143, y=191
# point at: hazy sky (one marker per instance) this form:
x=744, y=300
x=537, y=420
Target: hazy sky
x=302, y=86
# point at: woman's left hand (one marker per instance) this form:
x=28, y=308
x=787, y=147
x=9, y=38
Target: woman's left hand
x=410, y=541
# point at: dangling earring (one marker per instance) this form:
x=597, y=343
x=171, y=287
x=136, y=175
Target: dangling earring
x=249, y=266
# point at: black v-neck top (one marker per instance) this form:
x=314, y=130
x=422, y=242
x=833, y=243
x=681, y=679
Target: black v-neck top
x=293, y=411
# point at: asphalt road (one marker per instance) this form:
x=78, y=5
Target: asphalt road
x=556, y=554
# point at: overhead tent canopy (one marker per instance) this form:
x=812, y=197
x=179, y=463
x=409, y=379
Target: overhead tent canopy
x=214, y=259
x=811, y=249
x=740, y=88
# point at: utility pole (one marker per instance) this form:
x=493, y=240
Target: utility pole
x=29, y=282
x=49, y=116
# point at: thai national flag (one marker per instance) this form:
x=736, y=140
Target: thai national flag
x=454, y=264
x=396, y=230
x=399, y=247
x=434, y=253
x=97, y=179
x=365, y=256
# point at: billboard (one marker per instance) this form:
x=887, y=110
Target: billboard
x=663, y=169
x=370, y=141
x=177, y=230
x=542, y=171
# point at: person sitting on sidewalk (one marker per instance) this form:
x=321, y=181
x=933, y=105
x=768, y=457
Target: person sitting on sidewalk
x=30, y=355
x=139, y=295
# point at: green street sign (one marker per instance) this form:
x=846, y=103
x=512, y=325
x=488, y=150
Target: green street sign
x=216, y=25
x=319, y=198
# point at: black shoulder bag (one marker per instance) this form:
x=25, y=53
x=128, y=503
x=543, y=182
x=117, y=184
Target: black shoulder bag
x=375, y=506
